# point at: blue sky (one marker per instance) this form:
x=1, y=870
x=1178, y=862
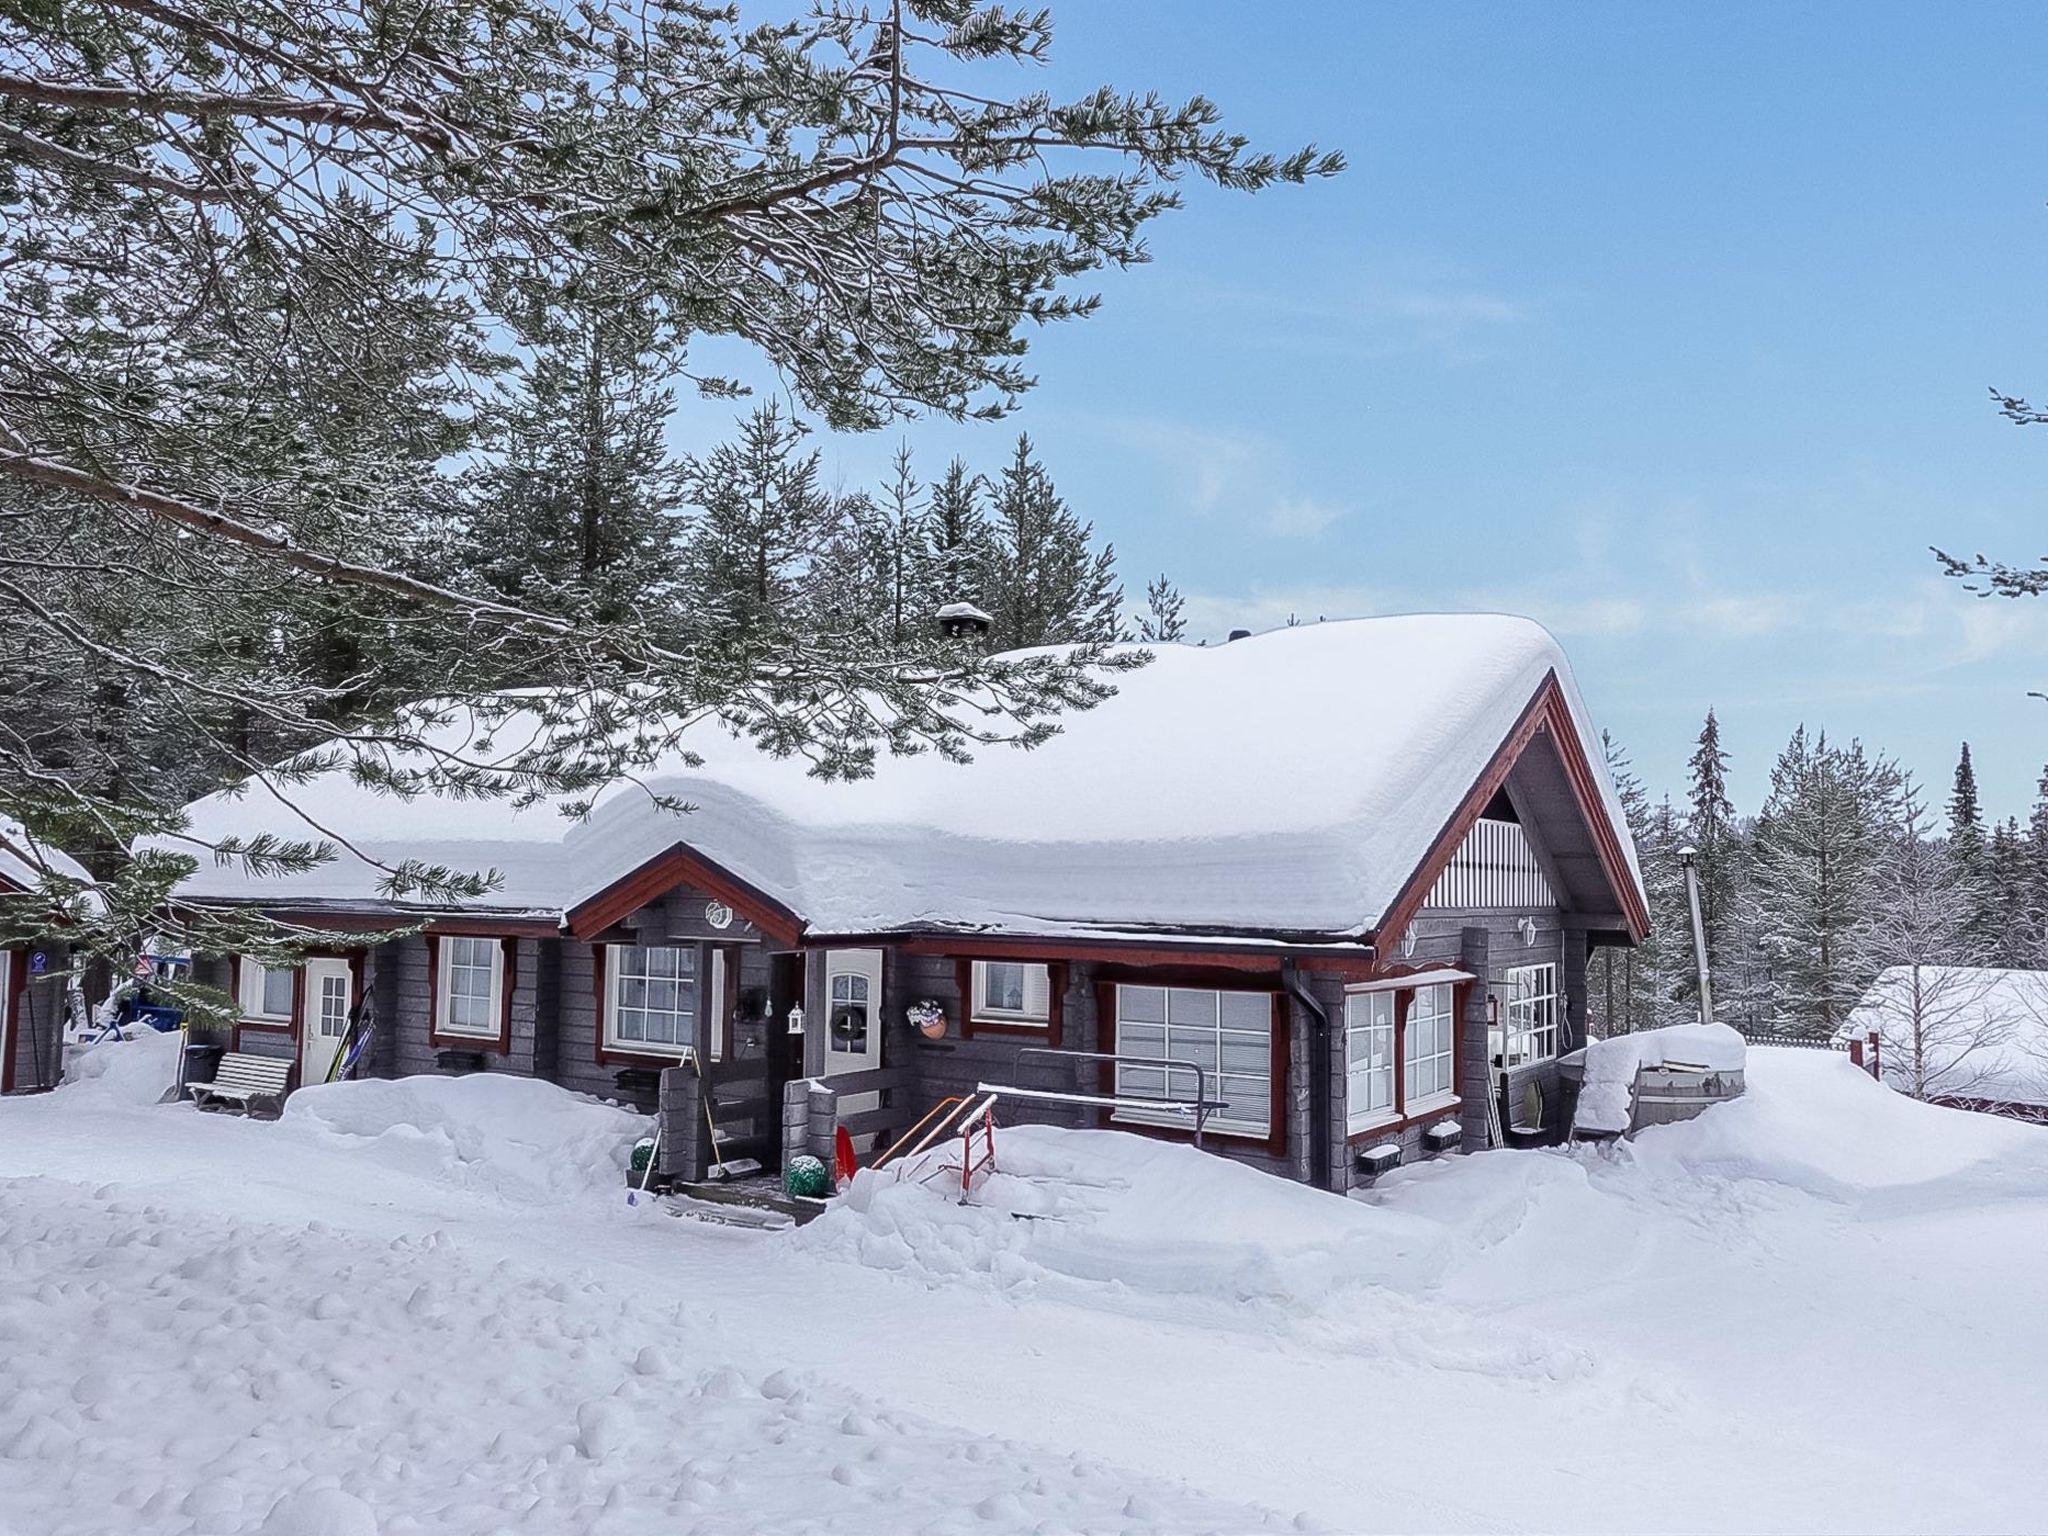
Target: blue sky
x=1670, y=326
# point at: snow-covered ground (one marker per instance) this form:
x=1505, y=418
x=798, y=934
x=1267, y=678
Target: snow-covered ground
x=426, y=1307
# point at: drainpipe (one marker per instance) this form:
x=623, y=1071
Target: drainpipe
x=1318, y=1073
x=1689, y=859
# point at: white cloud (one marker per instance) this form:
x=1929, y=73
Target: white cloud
x=1229, y=472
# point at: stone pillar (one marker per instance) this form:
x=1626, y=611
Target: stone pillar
x=796, y=1119
x=685, y=1136
x=822, y=1120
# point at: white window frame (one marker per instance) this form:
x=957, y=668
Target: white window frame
x=981, y=1011
x=1370, y=1081
x=615, y=978
x=444, y=986
x=1143, y=1082
x=250, y=981
x=1530, y=1024
x=1433, y=1097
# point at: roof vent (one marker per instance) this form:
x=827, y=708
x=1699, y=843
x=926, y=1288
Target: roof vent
x=1240, y=634
x=962, y=621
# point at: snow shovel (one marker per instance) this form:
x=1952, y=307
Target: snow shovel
x=647, y=1173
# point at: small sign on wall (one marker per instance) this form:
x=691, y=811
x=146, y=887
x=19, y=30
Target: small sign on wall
x=38, y=963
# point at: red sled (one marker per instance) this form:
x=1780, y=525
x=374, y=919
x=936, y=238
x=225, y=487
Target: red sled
x=844, y=1163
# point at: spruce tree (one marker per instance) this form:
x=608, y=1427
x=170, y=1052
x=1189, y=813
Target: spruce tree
x=2000, y=893
x=958, y=541
x=759, y=517
x=1816, y=852
x=2036, y=878
x=1710, y=826
x=1049, y=584
x=1163, y=622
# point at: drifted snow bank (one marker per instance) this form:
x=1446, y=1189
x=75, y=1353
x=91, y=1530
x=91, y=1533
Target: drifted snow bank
x=513, y=1137
x=1143, y=1215
x=161, y=1374
x=1606, y=1092
x=136, y=1071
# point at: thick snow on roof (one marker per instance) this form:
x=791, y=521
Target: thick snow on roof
x=1976, y=1032
x=18, y=854
x=1282, y=784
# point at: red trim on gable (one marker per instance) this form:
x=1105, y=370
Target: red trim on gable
x=680, y=865
x=1546, y=712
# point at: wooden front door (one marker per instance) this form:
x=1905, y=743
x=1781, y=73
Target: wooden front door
x=330, y=993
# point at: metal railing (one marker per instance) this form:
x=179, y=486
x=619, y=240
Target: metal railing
x=1199, y=1106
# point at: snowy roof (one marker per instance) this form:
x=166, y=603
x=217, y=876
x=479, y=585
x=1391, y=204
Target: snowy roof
x=1285, y=784
x=1974, y=1031
x=18, y=855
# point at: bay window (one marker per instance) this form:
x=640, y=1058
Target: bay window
x=1229, y=1035
x=1368, y=1059
x=651, y=999
x=1427, y=1048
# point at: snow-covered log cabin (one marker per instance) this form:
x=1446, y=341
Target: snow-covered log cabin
x=1352, y=870
x=33, y=977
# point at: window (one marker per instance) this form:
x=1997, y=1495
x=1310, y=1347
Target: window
x=1426, y=1048
x=1532, y=1011
x=1228, y=1034
x=267, y=990
x=472, y=986
x=849, y=1011
x=651, y=999
x=1368, y=1059
x=1011, y=992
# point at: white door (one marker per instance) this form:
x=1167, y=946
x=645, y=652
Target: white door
x=853, y=1025
x=853, y=1010
x=329, y=988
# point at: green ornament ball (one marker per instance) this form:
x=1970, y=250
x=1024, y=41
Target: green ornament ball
x=807, y=1176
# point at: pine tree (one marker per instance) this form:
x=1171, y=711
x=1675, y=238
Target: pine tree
x=1624, y=982
x=1163, y=622
x=1050, y=586
x=1816, y=851
x=1965, y=816
x=228, y=227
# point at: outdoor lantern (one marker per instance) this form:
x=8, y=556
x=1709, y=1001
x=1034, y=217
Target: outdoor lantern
x=796, y=1019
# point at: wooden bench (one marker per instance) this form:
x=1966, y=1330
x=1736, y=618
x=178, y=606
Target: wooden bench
x=242, y=1080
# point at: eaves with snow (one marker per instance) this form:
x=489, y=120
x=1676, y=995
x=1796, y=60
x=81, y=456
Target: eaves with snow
x=1290, y=786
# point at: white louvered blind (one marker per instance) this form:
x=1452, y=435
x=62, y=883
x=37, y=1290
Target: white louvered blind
x=1493, y=867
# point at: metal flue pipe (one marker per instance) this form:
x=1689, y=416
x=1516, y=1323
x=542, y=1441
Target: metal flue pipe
x=1689, y=860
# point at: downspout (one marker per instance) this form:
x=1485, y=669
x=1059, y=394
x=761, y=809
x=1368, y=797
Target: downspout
x=1320, y=1086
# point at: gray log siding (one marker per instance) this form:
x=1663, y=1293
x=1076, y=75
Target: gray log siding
x=37, y=1037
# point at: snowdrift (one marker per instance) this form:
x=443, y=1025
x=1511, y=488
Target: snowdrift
x=512, y=1137
x=1611, y=1067
x=1145, y=1217
x=135, y=1071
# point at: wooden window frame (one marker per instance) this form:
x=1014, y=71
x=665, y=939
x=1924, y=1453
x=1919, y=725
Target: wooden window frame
x=1555, y=1028
x=1391, y=1115
x=632, y=1053
x=251, y=1019
x=1049, y=1033
x=439, y=1033
x=1407, y=1115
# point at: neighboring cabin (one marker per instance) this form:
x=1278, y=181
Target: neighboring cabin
x=1970, y=1037
x=1353, y=869
x=33, y=977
